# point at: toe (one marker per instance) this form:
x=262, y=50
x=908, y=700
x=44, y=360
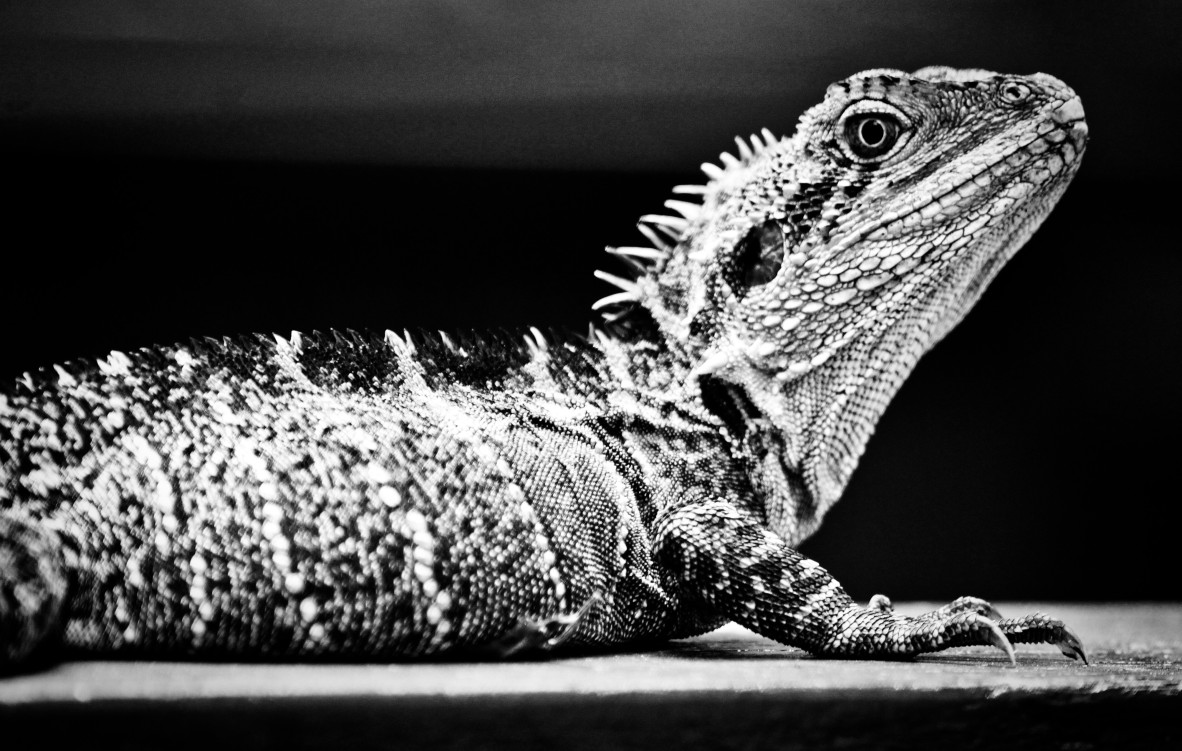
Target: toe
x=1042, y=629
x=881, y=603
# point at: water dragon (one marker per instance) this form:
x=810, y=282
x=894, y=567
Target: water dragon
x=391, y=496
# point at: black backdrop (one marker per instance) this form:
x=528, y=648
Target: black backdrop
x=226, y=169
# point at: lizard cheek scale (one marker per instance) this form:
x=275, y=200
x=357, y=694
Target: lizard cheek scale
x=391, y=496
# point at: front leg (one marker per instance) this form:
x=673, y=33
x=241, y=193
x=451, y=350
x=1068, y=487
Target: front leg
x=736, y=566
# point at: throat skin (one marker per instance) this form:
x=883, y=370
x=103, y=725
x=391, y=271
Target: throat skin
x=820, y=421
x=824, y=418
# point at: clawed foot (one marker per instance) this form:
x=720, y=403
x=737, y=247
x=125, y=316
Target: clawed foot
x=542, y=634
x=876, y=631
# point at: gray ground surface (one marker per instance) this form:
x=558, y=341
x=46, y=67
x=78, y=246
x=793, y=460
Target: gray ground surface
x=726, y=689
x=1132, y=648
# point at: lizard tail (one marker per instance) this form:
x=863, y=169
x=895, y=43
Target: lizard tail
x=33, y=588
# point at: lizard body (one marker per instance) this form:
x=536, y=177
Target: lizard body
x=355, y=496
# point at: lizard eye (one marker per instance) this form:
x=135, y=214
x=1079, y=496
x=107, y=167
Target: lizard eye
x=760, y=254
x=871, y=135
x=871, y=130
x=1013, y=92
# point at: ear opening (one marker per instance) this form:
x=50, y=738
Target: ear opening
x=757, y=258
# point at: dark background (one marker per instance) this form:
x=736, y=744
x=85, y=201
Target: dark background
x=232, y=166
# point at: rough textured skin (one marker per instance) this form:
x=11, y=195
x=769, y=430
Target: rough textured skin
x=376, y=497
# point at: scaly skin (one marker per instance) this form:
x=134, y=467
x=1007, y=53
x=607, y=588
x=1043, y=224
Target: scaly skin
x=359, y=497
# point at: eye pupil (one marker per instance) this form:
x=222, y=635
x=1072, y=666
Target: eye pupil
x=872, y=132
x=870, y=136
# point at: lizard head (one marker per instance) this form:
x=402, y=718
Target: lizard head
x=827, y=262
x=893, y=186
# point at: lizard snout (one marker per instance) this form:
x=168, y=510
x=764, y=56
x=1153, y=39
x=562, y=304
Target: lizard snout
x=1070, y=115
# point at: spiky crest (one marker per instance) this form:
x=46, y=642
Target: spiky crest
x=664, y=232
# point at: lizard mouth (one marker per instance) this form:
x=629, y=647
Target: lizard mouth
x=1025, y=169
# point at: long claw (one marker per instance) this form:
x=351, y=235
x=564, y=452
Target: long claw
x=999, y=640
x=570, y=622
x=1071, y=646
